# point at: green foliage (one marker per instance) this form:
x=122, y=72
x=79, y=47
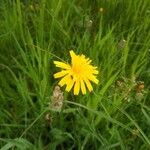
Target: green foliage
x=114, y=34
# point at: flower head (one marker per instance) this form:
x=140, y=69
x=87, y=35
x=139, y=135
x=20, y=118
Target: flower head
x=78, y=74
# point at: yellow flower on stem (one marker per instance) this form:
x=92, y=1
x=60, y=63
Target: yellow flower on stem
x=78, y=74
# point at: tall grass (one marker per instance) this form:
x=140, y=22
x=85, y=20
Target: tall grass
x=114, y=34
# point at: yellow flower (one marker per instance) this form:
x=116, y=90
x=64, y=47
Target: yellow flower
x=78, y=74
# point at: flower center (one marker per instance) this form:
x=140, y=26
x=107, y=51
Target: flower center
x=76, y=69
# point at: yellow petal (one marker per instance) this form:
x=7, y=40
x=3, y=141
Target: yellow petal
x=60, y=74
x=76, y=88
x=95, y=71
x=93, y=78
x=88, y=61
x=92, y=69
x=69, y=84
x=64, y=80
x=83, y=89
x=61, y=65
x=74, y=58
x=72, y=54
x=88, y=84
x=83, y=56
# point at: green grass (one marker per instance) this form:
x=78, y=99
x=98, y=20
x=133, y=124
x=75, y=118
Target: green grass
x=116, y=115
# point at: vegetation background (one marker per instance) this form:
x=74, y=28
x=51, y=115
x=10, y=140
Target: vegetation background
x=115, y=34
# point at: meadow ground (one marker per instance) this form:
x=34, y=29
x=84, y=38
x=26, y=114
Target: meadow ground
x=114, y=34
